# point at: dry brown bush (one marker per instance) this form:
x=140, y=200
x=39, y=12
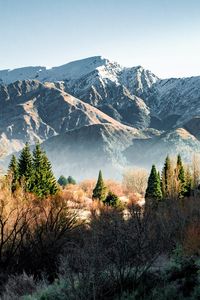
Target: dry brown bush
x=74, y=194
x=115, y=187
x=134, y=198
x=135, y=181
x=33, y=228
x=15, y=219
x=87, y=186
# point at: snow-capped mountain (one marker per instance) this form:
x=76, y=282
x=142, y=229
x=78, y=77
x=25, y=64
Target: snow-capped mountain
x=100, y=104
x=71, y=71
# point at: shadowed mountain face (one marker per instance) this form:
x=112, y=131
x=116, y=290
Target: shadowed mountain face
x=94, y=113
x=32, y=110
x=85, y=150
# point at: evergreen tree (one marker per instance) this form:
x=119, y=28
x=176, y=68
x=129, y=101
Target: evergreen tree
x=13, y=171
x=62, y=181
x=44, y=182
x=181, y=176
x=166, y=178
x=26, y=167
x=159, y=179
x=153, y=191
x=100, y=190
x=188, y=182
x=71, y=180
x=112, y=200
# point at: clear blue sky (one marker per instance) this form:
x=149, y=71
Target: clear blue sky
x=161, y=35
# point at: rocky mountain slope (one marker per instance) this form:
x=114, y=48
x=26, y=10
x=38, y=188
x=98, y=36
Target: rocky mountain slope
x=36, y=111
x=99, y=114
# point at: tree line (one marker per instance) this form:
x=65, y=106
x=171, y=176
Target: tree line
x=33, y=172
x=175, y=181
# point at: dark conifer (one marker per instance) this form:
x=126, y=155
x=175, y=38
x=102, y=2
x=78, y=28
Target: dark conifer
x=181, y=177
x=26, y=167
x=112, y=200
x=166, y=177
x=153, y=191
x=44, y=182
x=188, y=182
x=100, y=190
x=159, y=178
x=62, y=181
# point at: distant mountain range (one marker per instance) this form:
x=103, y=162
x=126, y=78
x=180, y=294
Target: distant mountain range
x=94, y=113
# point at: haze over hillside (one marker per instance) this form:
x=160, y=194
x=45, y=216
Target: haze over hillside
x=97, y=113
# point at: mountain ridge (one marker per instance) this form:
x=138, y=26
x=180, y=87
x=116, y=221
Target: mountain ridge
x=82, y=96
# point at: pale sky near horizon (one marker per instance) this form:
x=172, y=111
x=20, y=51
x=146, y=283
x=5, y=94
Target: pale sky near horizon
x=162, y=36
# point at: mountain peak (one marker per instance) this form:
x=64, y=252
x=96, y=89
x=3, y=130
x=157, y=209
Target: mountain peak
x=77, y=68
x=69, y=71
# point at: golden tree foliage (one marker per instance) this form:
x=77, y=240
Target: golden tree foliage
x=25, y=219
x=195, y=170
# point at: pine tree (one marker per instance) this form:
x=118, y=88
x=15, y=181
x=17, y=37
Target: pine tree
x=44, y=182
x=153, y=191
x=100, y=190
x=62, y=181
x=51, y=183
x=112, y=200
x=159, y=179
x=166, y=178
x=13, y=171
x=181, y=176
x=26, y=167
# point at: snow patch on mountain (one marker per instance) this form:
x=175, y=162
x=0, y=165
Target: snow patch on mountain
x=9, y=76
x=95, y=96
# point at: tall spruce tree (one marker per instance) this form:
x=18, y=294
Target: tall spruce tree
x=44, y=182
x=159, y=178
x=153, y=191
x=181, y=177
x=25, y=165
x=13, y=172
x=166, y=178
x=100, y=190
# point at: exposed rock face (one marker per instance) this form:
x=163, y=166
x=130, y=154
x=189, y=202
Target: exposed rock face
x=32, y=110
x=98, y=113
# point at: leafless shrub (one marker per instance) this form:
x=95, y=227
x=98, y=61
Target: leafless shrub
x=115, y=187
x=87, y=186
x=135, y=181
